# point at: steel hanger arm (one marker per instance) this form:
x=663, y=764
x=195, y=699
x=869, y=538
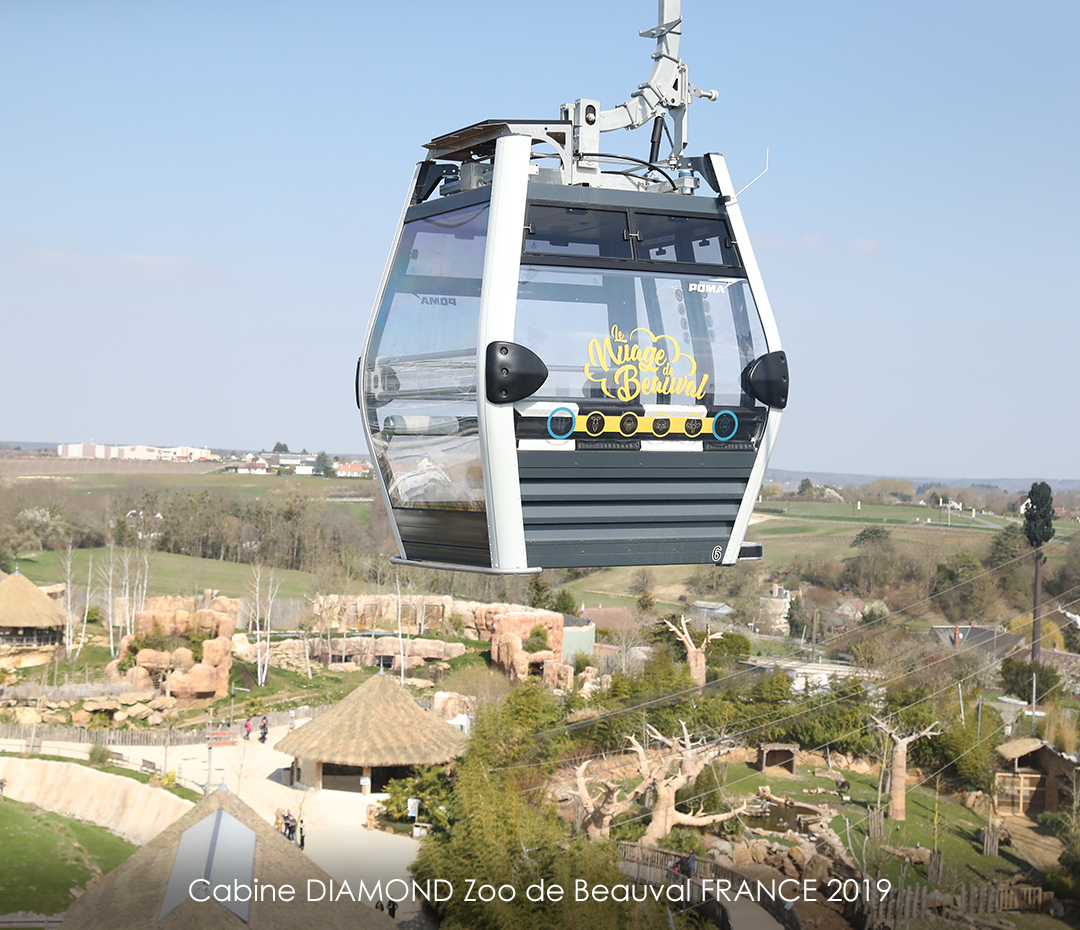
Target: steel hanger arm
x=667, y=89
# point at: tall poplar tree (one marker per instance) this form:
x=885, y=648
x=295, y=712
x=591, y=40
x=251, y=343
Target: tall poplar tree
x=1039, y=530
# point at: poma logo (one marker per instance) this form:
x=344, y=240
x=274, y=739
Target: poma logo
x=439, y=301
x=703, y=288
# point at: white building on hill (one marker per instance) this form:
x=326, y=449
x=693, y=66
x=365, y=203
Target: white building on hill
x=87, y=450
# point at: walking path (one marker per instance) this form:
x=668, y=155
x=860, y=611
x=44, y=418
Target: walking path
x=337, y=839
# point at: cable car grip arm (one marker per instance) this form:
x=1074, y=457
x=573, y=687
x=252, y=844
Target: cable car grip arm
x=667, y=88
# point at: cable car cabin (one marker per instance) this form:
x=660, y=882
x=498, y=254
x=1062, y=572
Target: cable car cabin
x=569, y=366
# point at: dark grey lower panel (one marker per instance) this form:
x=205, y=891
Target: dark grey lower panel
x=670, y=547
x=453, y=536
x=630, y=507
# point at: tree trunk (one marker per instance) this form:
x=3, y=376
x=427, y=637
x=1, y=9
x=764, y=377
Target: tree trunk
x=695, y=660
x=898, y=786
x=1036, y=615
x=664, y=816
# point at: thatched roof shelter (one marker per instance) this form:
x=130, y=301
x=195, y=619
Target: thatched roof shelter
x=150, y=890
x=377, y=726
x=23, y=604
x=1014, y=749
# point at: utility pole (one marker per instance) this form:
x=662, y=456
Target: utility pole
x=1032, y=703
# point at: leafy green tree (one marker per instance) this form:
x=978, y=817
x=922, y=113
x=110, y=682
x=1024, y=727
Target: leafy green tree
x=870, y=534
x=539, y=592
x=971, y=747
x=873, y=565
x=323, y=465
x=431, y=786
x=806, y=488
x=773, y=689
x=564, y=603
x=798, y=617
x=1017, y=678
x=279, y=447
x=1039, y=530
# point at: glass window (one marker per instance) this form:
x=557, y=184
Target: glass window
x=577, y=231
x=639, y=337
x=420, y=365
x=684, y=239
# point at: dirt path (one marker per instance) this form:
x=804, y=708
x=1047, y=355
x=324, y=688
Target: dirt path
x=1034, y=842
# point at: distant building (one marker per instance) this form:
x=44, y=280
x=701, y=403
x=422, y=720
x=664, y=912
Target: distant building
x=987, y=639
x=362, y=469
x=609, y=618
x=86, y=450
x=254, y=466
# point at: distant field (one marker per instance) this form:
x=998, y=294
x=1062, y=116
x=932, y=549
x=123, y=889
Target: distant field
x=250, y=486
x=803, y=529
x=169, y=574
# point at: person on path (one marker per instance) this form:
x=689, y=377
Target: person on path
x=247, y=728
x=303, y=834
x=391, y=907
x=379, y=907
x=264, y=729
x=692, y=863
x=292, y=719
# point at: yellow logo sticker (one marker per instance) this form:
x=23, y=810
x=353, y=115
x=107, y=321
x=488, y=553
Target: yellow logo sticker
x=625, y=370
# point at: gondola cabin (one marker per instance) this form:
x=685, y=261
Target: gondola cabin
x=572, y=360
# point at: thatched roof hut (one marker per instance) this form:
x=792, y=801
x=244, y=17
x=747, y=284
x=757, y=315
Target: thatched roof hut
x=24, y=605
x=372, y=733
x=224, y=837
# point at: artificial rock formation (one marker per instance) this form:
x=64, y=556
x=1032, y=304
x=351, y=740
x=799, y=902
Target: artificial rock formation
x=176, y=670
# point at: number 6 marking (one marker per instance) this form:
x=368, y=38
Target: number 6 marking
x=717, y=553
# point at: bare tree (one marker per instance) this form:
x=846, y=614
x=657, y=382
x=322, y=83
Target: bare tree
x=106, y=580
x=86, y=607
x=695, y=655
x=263, y=593
x=67, y=569
x=902, y=737
x=629, y=640
x=663, y=775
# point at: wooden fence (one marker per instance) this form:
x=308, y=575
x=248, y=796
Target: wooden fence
x=643, y=868
x=650, y=864
x=917, y=902
x=30, y=921
x=189, y=736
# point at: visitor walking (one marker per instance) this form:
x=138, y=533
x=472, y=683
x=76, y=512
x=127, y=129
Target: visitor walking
x=303, y=834
x=247, y=728
x=391, y=907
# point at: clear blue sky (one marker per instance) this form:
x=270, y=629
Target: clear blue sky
x=196, y=201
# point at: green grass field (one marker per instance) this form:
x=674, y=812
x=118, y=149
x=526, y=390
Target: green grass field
x=956, y=824
x=245, y=485
x=169, y=574
x=43, y=855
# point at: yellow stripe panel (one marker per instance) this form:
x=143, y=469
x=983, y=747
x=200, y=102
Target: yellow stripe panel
x=644, y=426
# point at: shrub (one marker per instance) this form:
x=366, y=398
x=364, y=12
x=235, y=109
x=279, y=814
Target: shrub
x=537, y=640
x=582, y=661
x=99, y=755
